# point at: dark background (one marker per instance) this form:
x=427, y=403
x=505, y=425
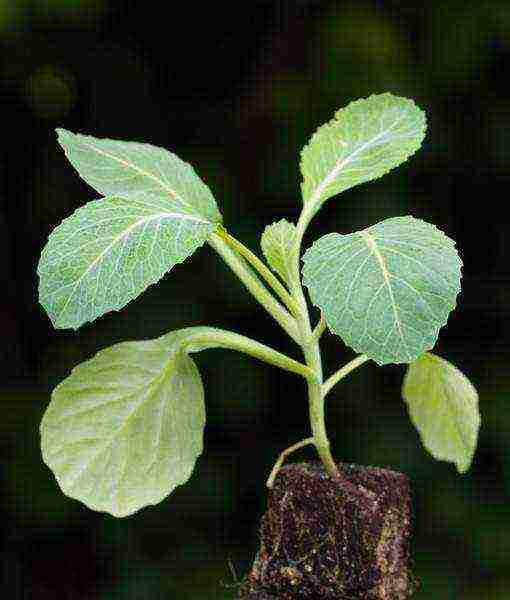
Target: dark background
x=236, y=88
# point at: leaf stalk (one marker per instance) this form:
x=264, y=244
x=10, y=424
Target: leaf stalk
x=283, y=456
x=260, y=267
x=343, y=372
x=205, y=337
x=320, y=328
x=239, y=266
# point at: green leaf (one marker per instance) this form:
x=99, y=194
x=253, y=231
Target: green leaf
x=111, y=250
x=365, y=140
x=386, y=290
x=443, y=406
x=116, y=168
x=126, y=427
x=277, y=245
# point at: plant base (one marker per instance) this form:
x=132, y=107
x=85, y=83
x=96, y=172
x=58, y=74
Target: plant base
x=318, y=541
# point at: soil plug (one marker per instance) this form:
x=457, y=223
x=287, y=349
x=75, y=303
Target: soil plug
x=319, y=541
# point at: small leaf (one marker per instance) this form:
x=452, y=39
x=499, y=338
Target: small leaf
x=443, y=406
x=386, y=290
x=365, y=140
x=277, y=245
x=126, y=427
x=111, y=250
x=116, y=168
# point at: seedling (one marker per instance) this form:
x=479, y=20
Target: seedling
x=125, y=428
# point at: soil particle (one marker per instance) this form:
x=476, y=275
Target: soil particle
x=320, y=541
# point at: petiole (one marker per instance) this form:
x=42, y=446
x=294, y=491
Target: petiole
x=342, y=372
x=278, y=464
x=261, y=269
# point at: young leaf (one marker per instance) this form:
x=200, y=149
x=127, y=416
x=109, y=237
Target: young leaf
x=111, y=250
x=277, y=243
x=126, y=427
x=385, y=290
x=116, y=168
x=443, y=406
x=365, y=140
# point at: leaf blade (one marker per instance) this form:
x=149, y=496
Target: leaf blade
x=443, y=406
x=126, y=427
x=386, y=290
x=277, y=243
x=364, y=140
x=109, y=251
x=119, y=168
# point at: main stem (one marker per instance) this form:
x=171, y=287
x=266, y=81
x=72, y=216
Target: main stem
x=316, y=409
x=312, y=354
x=297, y=326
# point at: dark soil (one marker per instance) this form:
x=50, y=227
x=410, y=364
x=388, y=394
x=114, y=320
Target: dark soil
x=324, y=539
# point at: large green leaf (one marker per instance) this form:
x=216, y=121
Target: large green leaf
x=117, y=168
x=277, y=243
x=126, y=427
x=112, y=249
x=385, y=290
x=365, y=140
x=443, y=406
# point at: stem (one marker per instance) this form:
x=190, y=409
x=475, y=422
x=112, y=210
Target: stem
x=299, y=329
x=312, y=355
x=318, y=424
x=260, y=267
x=211, y=337
x=251, y=281
x=283, y=456
x=342, y=372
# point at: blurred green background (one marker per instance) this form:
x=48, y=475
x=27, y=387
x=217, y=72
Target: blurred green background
x=237, y=89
